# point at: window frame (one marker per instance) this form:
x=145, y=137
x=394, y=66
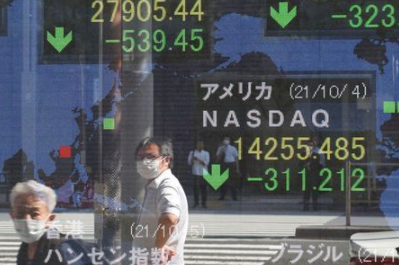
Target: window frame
x=3, y=21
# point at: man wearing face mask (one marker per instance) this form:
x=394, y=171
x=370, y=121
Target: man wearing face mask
x=163, y=221
x=32, y=205
x=227, y=155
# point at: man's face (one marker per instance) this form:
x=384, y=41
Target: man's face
x=311, y=146
x=27, y=206
x=151, y=151
x=200, y=145
x=226, y=140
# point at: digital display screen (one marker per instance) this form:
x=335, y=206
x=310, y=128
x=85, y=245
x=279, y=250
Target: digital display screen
x=86, y=29
x=199, y=132
x=268, y=118
x=336, y=19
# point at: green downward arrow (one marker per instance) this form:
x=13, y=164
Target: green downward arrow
x=59, y=41
x=215, y=179
x=283, y=17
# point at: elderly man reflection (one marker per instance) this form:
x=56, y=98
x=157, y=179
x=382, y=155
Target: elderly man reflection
x=163, y=224
x=32, y=205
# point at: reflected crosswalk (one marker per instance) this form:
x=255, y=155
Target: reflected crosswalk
x=229, y=251
x=197, y=251
x=213, y=238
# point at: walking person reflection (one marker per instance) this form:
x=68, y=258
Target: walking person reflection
x=227, y=155
x=198, y=159
x=312, y=167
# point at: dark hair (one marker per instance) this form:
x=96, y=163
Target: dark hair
x=165, y=146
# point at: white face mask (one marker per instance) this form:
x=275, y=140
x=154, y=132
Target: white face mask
x=226, y=142
x=149, y=168
x=30, y=230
